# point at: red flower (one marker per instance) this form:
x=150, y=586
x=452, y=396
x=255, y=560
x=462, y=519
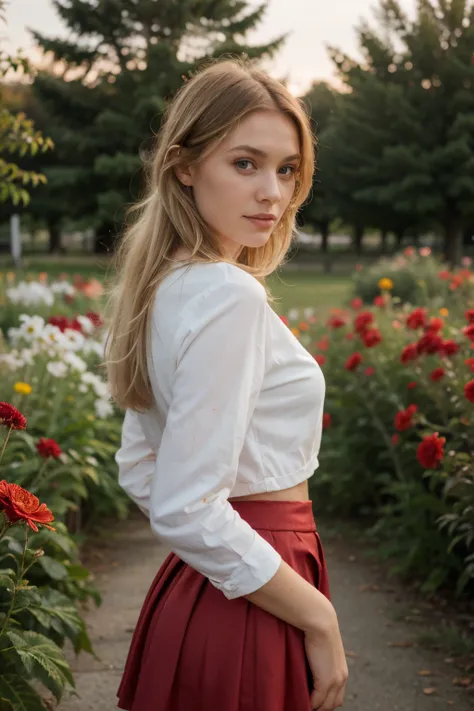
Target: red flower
x=470, y=363
x=48, y=448
x=469, y=314
x=320, y=359
x=437, y=374
x=450, y=348
x=444, y=274
x=409, y=353
x=435, y=324
x=372, y=337
x=19, y=504
x=411, y=385
x=469, y=331
x=11, y=417
x=369, y=371
x=404, y=418
x=95, y=318
x=430, y=451
x=336, y=322
x=395, y=439
x=350, y=336
x=430, y=343
x=327, y=420
x=379, y=301
x=353, y=361
x=417, y=319
x=323, y=344
x=363, y=321
x=285, y=320
x=357, y=303
x=469, y=390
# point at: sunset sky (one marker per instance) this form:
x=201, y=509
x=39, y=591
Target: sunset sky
x=313, y=25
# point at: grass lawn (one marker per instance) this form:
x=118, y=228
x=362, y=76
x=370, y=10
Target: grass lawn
x=291, y=288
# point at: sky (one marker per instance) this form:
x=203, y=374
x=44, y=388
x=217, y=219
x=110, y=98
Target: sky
x=313, y=24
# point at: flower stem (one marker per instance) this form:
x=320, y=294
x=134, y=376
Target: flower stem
x=6, y=441
x=20, y=576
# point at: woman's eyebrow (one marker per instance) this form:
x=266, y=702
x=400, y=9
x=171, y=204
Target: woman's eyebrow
x=259, y=152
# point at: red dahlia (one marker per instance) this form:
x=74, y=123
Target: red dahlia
x=363, y=321
x=450, y=348
x=327, y=420
x=469, y=331
x=320, y=359
x=437, y=374
x=48, y=448
x=379, y=301
x=19, y=504
x=372, y=337
x=417, y=319
x=11, y=417
x=353, y=361
x=409, y=353
x=430, y=343
x=431, y=451
x=336, y=322
x=404, y=418
x=469, y=315
x=469, y=390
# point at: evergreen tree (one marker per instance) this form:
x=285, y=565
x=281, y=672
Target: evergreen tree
x=410, y=112
x=123, y=61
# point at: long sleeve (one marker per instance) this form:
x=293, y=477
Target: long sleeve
x=136, y=462
x=219, y=373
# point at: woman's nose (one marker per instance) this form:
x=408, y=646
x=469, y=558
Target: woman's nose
x=269, y=189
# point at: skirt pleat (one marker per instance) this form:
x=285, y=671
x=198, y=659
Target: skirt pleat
x=195, y=650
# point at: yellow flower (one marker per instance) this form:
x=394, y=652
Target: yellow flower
x=23, y=388
x=91, y=418
x=70, y=398
x=444, y=312
x=385, y=284
x=295, y=332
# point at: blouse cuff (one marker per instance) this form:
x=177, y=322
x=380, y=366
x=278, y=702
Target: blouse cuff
x=256, y=568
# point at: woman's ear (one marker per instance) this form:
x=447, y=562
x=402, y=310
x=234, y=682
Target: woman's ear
x=184, y=174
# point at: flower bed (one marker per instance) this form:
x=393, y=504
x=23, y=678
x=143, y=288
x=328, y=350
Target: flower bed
x=62, y=432
x=399, y=429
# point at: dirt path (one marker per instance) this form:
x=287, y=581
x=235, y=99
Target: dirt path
x=372, y=616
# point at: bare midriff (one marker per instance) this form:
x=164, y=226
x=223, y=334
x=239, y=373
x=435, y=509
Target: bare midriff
x=295, y=493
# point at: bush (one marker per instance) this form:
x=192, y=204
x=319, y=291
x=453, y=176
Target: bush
x=398, y=440
x=416, y=277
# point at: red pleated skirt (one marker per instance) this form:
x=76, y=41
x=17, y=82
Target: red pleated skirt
x=195, y=650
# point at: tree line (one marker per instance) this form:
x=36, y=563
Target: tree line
x=395, y=140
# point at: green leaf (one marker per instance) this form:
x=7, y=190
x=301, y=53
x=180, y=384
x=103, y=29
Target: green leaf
x=19, y=694
x=53, y=568
x=7, y=583
x=25, y=597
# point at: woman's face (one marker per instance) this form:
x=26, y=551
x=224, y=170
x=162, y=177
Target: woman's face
x=251, y=172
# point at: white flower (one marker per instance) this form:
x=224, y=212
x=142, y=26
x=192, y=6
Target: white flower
x=91, y=346
x=51, y=336
x=30, y=294
x=103, y=408
x=28, y=356
x=293, y=314
x=82, y=388
x=62, y=287
x=73, y=340
x=308, y=313
x=31, y=324
x=74, y=361
x=11, y=361
x=100, y=387
x=86, y=324
x=57, y=369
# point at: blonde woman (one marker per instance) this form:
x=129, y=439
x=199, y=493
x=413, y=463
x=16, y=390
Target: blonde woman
x=223, y=411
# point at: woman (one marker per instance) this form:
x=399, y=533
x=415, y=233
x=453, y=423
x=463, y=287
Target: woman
x=223, y=411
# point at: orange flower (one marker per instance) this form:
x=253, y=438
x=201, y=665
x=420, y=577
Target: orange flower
x=20, y=504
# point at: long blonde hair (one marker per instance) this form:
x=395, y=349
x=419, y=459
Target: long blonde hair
x=201, y=114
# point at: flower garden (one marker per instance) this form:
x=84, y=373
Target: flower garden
x=397, y=448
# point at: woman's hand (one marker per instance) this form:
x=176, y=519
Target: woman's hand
x=327, y=661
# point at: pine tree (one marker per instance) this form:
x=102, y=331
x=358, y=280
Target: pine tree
x=411, y=116
x=122, y=63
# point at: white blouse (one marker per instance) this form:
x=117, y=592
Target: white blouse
x=238, y=405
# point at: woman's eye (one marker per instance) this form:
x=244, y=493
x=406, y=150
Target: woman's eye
x=292, y=168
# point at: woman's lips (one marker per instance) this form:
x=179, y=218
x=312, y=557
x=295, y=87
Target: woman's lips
x=262, y=223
